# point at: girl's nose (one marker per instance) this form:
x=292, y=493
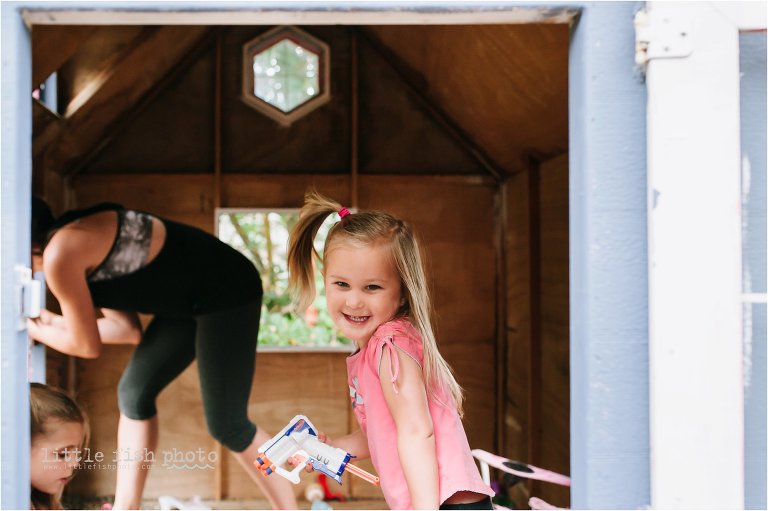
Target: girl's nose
x=353, y=300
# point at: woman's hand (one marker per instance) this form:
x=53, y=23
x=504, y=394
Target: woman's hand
x=48, y=324
x=51, y=318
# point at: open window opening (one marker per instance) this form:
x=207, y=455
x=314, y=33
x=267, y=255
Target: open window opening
x=262, y=236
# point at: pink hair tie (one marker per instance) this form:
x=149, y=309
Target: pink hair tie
x=343, y=212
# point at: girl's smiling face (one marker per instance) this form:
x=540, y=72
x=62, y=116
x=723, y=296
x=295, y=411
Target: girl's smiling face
x=54, y=455
x=362, y=288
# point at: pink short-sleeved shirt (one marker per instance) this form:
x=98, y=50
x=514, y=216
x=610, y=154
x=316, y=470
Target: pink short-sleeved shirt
x=456, y=467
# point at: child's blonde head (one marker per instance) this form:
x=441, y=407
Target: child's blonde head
x=364, y=229
x=49, y=407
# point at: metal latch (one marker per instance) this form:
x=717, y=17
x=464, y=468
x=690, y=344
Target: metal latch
x=30, y=298
x=661, y=35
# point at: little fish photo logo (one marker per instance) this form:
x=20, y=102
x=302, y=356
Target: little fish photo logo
x=173, y=459
x=189, y=460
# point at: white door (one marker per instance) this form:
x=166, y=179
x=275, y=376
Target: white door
x=691, y=54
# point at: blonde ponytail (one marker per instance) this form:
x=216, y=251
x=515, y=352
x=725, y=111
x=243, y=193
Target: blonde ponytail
x=301, y=247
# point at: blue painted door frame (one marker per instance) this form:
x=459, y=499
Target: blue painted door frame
x=610, y=465
x=15, y=189
x=610, y=443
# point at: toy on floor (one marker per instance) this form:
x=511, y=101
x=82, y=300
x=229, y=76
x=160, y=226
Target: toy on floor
x=519, y=471
x=315, y=494
x=299, y=440
x=322, y=480
x=168, y=502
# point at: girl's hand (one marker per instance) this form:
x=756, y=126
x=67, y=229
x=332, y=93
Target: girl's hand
x=293, y=461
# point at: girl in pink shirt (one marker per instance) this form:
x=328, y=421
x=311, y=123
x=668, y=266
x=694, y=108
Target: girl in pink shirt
x=404, y=395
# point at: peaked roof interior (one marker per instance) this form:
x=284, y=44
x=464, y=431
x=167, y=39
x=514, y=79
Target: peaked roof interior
x=466, y=99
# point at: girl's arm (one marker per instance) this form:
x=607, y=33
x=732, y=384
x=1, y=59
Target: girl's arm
x=355, y=444
x=415, y=434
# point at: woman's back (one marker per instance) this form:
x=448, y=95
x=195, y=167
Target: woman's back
x=185, y=271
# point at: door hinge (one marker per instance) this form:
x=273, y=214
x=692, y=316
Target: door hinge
x=30, y=297
x=661, y=35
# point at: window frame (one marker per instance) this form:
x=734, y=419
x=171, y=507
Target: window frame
x=300, y=38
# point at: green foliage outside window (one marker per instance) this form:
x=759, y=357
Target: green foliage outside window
x=262, y=236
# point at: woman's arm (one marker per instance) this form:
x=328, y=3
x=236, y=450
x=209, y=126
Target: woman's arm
x=64, y=265
x=119, y=327
x=415, y=434
x=115, y=327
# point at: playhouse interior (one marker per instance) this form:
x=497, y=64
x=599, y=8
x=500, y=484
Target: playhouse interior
x=461, y=130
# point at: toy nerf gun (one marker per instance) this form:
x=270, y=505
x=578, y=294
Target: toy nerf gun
x=299, y=439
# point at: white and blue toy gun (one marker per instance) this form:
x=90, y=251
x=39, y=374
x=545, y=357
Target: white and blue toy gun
x=299, y=440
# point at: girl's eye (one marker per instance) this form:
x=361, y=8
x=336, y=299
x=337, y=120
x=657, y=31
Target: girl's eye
x=372, y=287
x=341, y=284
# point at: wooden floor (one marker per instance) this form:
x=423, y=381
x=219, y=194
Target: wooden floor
x=303, y=504
x=96, y=503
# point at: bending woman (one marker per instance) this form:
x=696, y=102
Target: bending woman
x=206, y=301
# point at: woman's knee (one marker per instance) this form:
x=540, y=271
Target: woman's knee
x=133, y=400
x=235, y=436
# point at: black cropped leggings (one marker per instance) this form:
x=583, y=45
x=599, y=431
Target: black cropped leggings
x=224, y=344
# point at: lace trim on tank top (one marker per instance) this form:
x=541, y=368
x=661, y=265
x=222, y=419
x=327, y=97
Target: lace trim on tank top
x=130, y=249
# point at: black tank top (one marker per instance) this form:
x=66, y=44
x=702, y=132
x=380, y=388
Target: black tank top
x=194, y=273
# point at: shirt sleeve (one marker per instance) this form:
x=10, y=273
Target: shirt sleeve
x=394, y=338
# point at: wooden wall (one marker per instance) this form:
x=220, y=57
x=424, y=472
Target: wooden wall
x=455, y=221
x=536, y=421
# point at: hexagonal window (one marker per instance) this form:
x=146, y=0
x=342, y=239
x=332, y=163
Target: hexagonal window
x=285, y=73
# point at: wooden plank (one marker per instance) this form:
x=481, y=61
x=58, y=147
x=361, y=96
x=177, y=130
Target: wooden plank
x=280, y=191
x=433, y=107
x=299, y=15
x=518, y=321
x=522, y=83
x=52, y=46
x=500, y=222
x=96, y=62
x=46, y=127
x=554, y=452
x=535, y=350
x=131, y=79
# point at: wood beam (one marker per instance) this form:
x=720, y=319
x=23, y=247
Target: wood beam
x=534, y=375
x=98, y=74
x=416, y=86
x=46, y=127
x=126, y=118
x=53, y=46
x=354, y=122
x=136, y=75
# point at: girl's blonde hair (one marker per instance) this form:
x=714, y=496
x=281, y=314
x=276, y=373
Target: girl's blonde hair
x=367, y=228
x=48, y=404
